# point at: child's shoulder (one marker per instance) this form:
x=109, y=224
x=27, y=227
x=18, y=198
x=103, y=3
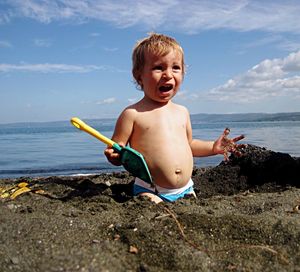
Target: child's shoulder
x=130, y=112
x=132, y=109
x=180, y=108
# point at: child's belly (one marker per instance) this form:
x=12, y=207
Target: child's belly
x=171, y=166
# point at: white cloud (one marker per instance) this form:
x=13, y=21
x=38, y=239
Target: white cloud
x=290, y=44
x=95, y=34
x=132, y=100
x=48, y=68
x=42, y=42
x=270, y=78
x=184, y=95
x=292, y=62
x=6, y=44
x=188, y=16
x=112, y=49
x=110, y=100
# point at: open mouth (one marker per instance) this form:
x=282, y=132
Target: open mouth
x=166, y=88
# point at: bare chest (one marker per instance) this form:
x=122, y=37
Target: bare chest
x=160, y=123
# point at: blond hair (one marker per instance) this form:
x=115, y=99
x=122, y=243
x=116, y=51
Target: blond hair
x=157, y=44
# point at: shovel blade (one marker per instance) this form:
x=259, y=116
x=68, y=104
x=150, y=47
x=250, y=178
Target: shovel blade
x=135, y=163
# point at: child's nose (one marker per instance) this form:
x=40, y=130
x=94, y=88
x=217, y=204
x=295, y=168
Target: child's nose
x=168, y=73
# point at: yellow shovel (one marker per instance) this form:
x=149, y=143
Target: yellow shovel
x=132, y=160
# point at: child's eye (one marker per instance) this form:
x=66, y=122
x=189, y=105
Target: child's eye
x=177, y=67
x=157, y=67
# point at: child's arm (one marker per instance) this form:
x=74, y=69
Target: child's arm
x=202, y=148
x=122, y=133
x=222, y=145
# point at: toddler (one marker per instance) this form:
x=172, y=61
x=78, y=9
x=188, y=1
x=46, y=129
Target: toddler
x=160, y=129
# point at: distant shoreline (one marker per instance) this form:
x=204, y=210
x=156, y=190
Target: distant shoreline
x=203, y=117
x=247, y=117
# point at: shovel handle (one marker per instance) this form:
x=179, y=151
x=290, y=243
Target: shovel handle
x=83, y=126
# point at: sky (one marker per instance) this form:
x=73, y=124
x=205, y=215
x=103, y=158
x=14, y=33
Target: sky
x=65, y=58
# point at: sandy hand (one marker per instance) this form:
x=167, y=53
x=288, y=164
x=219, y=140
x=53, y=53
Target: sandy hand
x=225, y=145
x=112, y=156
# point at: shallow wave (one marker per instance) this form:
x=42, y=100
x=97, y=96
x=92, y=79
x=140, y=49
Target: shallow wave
x=61, y=171
x=85, y=169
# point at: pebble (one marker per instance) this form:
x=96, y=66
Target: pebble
x=13, y=206
x=133, y=250
x=14, y=260
x=117, y=237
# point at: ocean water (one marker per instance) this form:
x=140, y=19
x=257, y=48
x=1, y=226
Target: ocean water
x=57, y=148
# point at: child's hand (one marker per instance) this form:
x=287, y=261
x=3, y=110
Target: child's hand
x=112, y=156
x=223, y=145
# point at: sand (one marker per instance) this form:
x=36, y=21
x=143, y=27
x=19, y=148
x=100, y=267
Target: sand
x=245, y=218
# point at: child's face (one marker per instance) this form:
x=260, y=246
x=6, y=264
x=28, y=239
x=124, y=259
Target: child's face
x=161, y=76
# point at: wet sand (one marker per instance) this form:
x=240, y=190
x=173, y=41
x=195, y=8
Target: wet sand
x=245, y=218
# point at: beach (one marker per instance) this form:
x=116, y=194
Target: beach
x=246, y=218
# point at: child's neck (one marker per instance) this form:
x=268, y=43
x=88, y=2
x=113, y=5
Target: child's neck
x=155, y=104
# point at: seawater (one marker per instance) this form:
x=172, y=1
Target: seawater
x=57, y=148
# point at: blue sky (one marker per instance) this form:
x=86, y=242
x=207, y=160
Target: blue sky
x=61, y=58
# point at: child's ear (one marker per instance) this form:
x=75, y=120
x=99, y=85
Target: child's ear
x=139, y=79
x=140, y=83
